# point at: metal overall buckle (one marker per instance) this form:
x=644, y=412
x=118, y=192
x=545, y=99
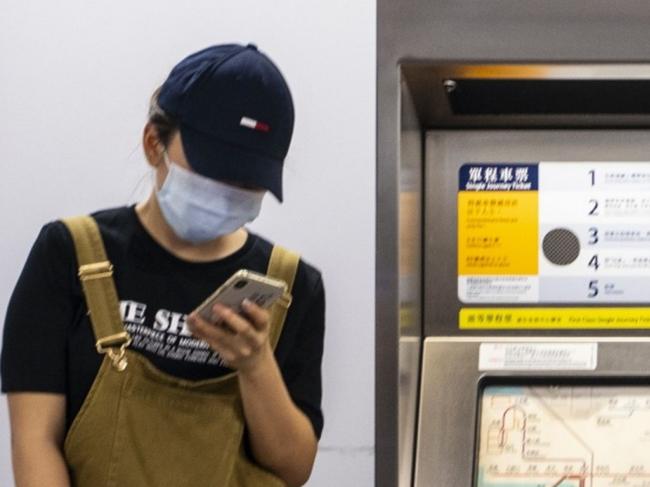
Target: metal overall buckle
x=115, y=347
x=96, y=270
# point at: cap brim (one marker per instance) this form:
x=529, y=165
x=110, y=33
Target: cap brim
x=211, y=157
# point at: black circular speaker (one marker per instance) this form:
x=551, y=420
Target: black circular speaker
x=561, y=246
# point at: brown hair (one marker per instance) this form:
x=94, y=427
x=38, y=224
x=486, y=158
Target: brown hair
x=165, y=125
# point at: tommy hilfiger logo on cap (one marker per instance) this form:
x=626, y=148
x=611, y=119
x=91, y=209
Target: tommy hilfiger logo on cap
x=254, y=124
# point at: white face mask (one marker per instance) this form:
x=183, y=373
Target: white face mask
x=200, y=209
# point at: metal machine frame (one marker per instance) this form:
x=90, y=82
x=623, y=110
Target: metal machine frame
x=414, y=36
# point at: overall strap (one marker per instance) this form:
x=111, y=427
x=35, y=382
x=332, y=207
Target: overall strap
x=96, y=276
x=283, y=265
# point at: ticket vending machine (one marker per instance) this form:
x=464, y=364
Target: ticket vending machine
x=535, y=294
x=513, y=244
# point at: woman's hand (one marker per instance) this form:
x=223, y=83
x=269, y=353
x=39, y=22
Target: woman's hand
x=242, y=341
x=281, y=436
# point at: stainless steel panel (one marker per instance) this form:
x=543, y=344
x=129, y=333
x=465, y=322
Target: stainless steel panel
x=502, y=30
x=454, y=31
x=446, y=151
x=410, y=280
x=410, y=218
x=387, y=306
x=449, y=397
x=409, y=381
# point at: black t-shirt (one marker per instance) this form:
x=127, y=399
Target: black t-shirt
x=48, y=343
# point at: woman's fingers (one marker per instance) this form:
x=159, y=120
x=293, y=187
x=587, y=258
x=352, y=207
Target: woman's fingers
x=219, y=334
x=259, y=316
x=237, y=323
x=237, y=339
x=222, y=341
x=219, y=339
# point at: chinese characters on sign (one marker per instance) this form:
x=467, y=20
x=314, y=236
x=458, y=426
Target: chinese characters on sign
x=553, y=232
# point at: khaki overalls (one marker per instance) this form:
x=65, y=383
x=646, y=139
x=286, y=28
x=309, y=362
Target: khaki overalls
x=141, y=427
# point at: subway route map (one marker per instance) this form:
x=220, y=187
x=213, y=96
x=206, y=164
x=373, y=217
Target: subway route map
x=564, y=436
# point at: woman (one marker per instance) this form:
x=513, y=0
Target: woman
x=196, y=403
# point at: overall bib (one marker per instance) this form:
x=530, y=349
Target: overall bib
x=141, y=427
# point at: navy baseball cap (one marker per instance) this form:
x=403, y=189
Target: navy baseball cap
x=235, y=113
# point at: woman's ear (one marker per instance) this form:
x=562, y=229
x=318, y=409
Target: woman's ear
x=151, y=145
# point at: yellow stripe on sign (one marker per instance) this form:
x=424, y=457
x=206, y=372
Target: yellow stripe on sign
x=554, y=318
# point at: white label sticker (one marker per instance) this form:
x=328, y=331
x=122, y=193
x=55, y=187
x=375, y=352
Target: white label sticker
x=538, y=356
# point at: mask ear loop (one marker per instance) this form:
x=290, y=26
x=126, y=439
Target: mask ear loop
x=166, y=160
x=168, y=165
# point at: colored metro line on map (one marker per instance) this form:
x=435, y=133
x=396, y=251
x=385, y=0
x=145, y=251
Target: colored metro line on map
x=564, y=436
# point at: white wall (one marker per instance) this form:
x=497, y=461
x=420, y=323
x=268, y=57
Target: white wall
x=75, y=78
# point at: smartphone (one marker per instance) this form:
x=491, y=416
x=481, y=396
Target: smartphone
x=243, y=284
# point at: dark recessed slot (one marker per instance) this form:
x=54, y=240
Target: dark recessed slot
x=549, y=97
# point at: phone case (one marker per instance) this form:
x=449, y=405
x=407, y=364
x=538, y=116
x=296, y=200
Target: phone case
x=244, y=284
